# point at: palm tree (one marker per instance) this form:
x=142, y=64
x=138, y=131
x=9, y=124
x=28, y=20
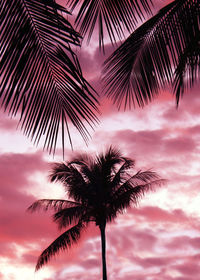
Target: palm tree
x=99, y=189
x=41, y=78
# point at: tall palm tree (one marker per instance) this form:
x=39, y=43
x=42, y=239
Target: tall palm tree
x=41, y=78
x=99, y=189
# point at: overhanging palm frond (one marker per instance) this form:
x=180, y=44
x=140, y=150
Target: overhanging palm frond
x=55, y=204
x=188, y=69
x=147, y=60
x=41, y=76
x=63, y=242
x=114, y=16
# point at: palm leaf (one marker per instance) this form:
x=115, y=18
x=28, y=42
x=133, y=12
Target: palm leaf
x=146, y=61
x=128, y=194
x=188, y=68
x=138, y=184
x=63, y=242
x=114, y=16
x=67, y=216
x=107, y=162
x=121, y=174
x=72, y=178
x=60, y=171
x=41, y=76
x=55, y=204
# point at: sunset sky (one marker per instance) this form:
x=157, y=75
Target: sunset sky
x=158, y=240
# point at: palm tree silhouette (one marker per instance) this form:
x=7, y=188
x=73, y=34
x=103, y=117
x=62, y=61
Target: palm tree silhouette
x=99, y=188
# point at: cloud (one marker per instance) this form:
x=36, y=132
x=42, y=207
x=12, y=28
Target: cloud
x=16, y=225
x=6, y=123
x=156, y=214
x=184, y=242
x=189, y=269
x=159, y=240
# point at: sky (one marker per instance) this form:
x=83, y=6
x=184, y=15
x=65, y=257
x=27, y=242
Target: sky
x=158, y=240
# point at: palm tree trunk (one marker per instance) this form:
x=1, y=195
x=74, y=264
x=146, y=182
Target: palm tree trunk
x=103, y=246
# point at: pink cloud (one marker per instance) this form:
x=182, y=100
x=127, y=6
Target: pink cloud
x=155, y=142
x=157, y=215
x=6, y=123
x=190, y=269
x=183, y=242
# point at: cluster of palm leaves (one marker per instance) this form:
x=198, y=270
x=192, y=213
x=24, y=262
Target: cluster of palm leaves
x=41, y=77
x=100, y=188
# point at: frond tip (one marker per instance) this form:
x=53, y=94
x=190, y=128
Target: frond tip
x=63, y=242
x=111, y=16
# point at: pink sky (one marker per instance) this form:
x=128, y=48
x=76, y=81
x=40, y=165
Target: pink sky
x=159, y=240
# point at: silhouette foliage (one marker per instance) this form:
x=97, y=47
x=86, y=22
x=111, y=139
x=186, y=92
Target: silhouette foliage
x=100, y=188
x=164, y=50
x=112, y=17
x=41, y=78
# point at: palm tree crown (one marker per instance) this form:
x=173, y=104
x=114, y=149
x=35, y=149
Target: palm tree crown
x=99, y=189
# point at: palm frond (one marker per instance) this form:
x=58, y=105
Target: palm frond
x=67, y=216
x=41, y=75
x=143, y=177
x=188, y=68
x=121, y=174
x=63, y=242
x=129, y=194
x=108, y=161
x=55, y=204
x=63, y=171
x=59, y=172
x=73, y=179
x=82, y=165
x=146, y=61
x=139, y=191
x=112, y=16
